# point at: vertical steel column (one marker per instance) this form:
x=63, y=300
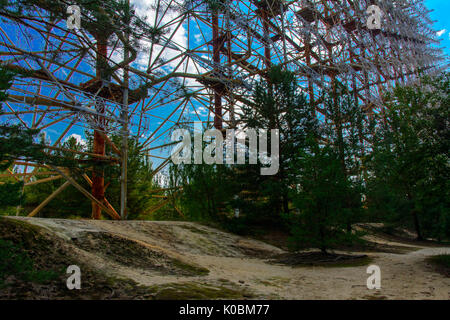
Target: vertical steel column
x=230, y=70
x=124, y=116
x=267, y=52
x=308, y=63
x=218, y=124
x=98, y=178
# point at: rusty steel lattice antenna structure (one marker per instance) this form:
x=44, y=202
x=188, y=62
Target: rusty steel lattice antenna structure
x=195, y=60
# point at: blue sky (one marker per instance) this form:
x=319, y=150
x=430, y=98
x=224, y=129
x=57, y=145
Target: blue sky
x=441, y=15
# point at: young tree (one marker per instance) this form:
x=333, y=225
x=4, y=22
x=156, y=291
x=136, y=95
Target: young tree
x=277, y=103
x=320, y=199
x=349, y=130
x=410, y=160
x=329, y=167
x=141, y=185
x=16, y=143
x=70, y=202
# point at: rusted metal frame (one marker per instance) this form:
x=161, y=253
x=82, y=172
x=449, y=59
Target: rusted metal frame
x=107, y=203
x=57, y=121
x=16, y=115
x=98, y=179
x=21, y=174
x=30, y=164
x=165, y=162
x=103, y=157
x=161, y=146
x=113, y=214
x=29, y=53
x=218, y=124
x=148, y=105
x=162, y=124
x=42, y=180
x=160, y=135
x=210, y=108
x=49, y=198
x=164, y=47
x=141, y=116
x=42, y=100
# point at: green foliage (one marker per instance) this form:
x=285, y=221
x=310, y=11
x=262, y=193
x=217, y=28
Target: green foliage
x=15, y=141
x=140, y=180
x=348, y=130
x=10, y=194
x=12, y=140
x=215, y=5
x=320, y=199
x=207, y=190
x=71, y=203
x=214, y=192
x=442, y=260
x=318, y=188
x=409, y=181
x=19, y=143
x=277, y=104
x=15, y=262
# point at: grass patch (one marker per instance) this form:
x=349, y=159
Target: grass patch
x=351, y=263
x=374, y=297
x=23, y=250
x=195, y=291
x=33, y=263
x=443, y=260
x=442, y=263
x=189, y=268
x=14, y=261
x=319, y=259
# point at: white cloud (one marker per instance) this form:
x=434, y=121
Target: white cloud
x=441, y=32
x=157, y=19
x=178, y=35
x=198, y=37
x=78, y=138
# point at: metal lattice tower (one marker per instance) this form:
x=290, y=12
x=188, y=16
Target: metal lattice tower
x=196, y=61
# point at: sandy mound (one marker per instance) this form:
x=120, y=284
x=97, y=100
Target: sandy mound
x=172, y=260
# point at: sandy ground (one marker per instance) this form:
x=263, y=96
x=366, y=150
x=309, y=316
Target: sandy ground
x=244, y=262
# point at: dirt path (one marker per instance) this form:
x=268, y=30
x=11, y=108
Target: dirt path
x=243, y=262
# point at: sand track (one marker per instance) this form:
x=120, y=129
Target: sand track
x=240, y=261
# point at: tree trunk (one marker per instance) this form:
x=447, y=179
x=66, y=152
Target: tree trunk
x=417, y=225
x=349, y=227
x=285, y=203
x=415, y=217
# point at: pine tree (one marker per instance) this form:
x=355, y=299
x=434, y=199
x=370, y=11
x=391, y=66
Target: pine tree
x=320, y=199
x=349, y=130
x=15, y=143
x=410, y=160
x=278, y=104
